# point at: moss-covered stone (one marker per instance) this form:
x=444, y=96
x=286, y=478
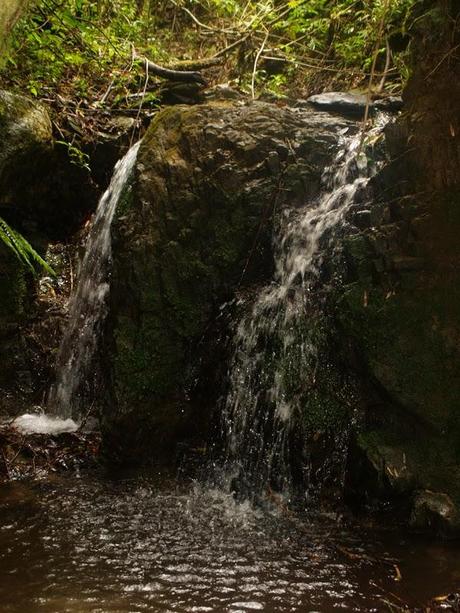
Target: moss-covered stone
x=198, y=226
x=25, y=127
x=42, y=192
x=405, y=322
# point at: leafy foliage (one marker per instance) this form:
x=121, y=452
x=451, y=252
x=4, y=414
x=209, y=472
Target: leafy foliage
x=82, y=47
x=22, y=249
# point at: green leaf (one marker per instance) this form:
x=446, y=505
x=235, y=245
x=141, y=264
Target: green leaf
x=22, y=249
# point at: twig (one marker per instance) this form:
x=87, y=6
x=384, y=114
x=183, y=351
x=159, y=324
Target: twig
x=371, y=76
x=254, y=71
x=444, y=57
x=238, y=42
x=199, y=23
x=85, y=418
x=6, y=464
x=387, y=66
x=141, y=103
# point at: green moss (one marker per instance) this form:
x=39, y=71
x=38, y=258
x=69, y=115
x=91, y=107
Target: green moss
x=148, y=359
x=125, y=201
x=409, y=342
x=408, y=334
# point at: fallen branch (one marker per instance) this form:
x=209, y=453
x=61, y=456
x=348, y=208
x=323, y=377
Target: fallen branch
x=194, y=65
x=184, y=76
x=226, y=50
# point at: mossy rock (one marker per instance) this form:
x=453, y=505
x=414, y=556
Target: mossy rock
x=208, y=184
x=25, y=128
x=405, y=323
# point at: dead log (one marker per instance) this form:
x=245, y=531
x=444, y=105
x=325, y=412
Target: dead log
x=184, y=76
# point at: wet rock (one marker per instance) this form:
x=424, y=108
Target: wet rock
x=196, y=226
x=25, y=129
x=222, y=91
x=435, y=512
x=354, y=105
x=344, y=103
x=390, y=104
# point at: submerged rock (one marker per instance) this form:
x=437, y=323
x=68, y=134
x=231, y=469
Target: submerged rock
x=436, y=511
x=196, y=227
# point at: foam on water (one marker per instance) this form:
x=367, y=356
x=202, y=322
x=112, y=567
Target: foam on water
x=31, y=423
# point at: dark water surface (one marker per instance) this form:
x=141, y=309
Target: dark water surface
x=140, y=544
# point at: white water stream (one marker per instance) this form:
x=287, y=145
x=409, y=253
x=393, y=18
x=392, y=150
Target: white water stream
x=272, y=341
x=87, y=306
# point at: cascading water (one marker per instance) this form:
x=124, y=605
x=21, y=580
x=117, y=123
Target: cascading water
x=87, y=307
x=273, y=344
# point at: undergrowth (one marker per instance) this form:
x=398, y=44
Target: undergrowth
x=80, y=56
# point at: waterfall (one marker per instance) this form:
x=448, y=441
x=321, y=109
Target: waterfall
x=87, y=305
x=272, y=343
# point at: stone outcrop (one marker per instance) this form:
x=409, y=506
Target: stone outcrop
x=195, y=227
x=401, y=306
x=45, y=197
x=354, y=105
x=194, y=230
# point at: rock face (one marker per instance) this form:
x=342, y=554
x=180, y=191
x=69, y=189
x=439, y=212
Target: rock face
x=194, y=230
x=42, y=193
x=195, y=227
x=45, y=197
x=401, y=307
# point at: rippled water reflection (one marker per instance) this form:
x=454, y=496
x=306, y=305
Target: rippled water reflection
x=99, y=545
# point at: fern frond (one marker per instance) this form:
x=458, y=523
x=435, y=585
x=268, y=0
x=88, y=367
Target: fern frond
x=22, y=249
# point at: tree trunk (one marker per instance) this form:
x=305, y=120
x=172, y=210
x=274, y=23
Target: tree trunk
x=10, y=11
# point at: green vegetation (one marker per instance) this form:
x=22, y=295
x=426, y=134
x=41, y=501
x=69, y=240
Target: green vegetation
x=22, y=249
x=81, y=55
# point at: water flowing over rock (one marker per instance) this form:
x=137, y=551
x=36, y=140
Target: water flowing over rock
x=276, y=347
x=87, y=308
x=210, y=181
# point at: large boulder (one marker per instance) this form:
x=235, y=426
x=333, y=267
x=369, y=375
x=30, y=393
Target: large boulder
x=45, y=190
x=25, y=128
x=196, y=226
x=46, y=197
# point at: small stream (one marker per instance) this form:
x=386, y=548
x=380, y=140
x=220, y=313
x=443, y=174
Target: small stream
x=97, y=543
x=105, y=543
